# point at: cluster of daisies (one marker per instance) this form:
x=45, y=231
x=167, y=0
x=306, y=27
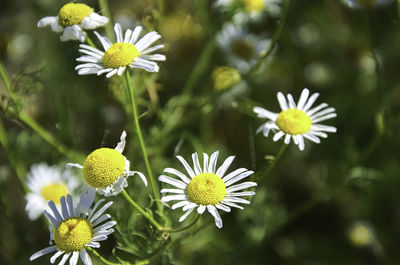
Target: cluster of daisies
x=75, y=224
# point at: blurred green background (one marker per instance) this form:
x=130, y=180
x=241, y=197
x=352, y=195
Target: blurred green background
x=304, y=208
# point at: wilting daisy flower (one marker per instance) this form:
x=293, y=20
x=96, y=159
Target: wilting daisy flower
x=73, y=19
x=74, y=228
x=128, y=51
x=47, y=183
x=208, y=188
x=366, y=3
x=242, y=49
x=106, y=169
x=297, y=121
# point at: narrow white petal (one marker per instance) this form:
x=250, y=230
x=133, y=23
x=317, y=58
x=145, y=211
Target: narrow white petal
x=173, y=198
x=140, y=174
x=278, y=136
x=55, y=256
x=179, y=204
x=101, y=211
x=189, y=206
x=93, y=244
x=43, y=252
x=322, y=113
x=310, y=102
x=101, y=219
x=213, y=162
x=196, y=164
x=312, y=138
x=241, y=186
x=103, y=71
x=105, y=226
x=147, y=40
x=70, y=165
x=263, y=113
x=324, y=128
x=326, y=117
x=183, y=217
x=74, y=259
x=178, y=191
x=64, y=208
x=201, y=209
x=224, y=167
x=121, y=144
x=236, y=200
x=121, y=70
x=205, y=163
x=282, y=101
x=173, y=182
x=53, y=220
x=64, y=258
x=147, y=65
x=85, y=257
x=105, y=42
x=111, y=73
x=238, y=178
x=128, y=34
x=177, y=173
x=303, y=98
x=223, y=207
x=301, y=142
x=317, y=108
x=287, y=139
x=118, y=32
x=231, y=204
x=154, y=57
x=187, y=167
x=214, y=212
x=292, y=105
x=55, y=211
x=96, y=205
x=152, y=49
x=135, y=34
x=244, y=193
x=234, y=174
x=317, y=133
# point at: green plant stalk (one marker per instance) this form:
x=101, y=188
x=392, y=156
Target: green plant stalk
x=5, y=78
x=140, y=210
x=180, y=229
x=153, y=184
x=100, y=257
x=277, y=158
x=275, y=38
x=161, y=5
x=105, y=10
x=90, y=42
x=49, y=138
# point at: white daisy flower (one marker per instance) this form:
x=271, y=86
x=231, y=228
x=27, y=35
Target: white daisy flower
x=128, y=51
x=73, y=19
x=252, y=9
x=297, y=121
x=208, y=188
x=367, y=3
x=74, y=228
x=47, y=183
x=106, y=169
x=242, y=49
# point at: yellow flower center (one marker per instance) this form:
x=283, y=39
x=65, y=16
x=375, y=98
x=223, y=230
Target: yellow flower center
x=119, y=54
x=53, y=192
x=225, y=77
x=73, y=234
x=293, y=121
x=243, y=49
x=253, y=5
x=206, y=189
x=103, y=167
x=72, y=14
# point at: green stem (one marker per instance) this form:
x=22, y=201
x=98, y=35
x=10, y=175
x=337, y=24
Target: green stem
x=161, y=7
x=140, y=210
x=277, y=158
x=5, y=78
x=105, y=10
x=100, y=257
x=175, y=230
x=275, y=38
x=49, y=138
x=90, y=42
x=153, y=184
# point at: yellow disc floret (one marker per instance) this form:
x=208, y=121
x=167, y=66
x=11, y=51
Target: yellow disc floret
x=293, y=121
x=103, y=167
x=253, y=5
x=73, y=14
x=119, y=54
x=206, y=189
x=243, y=49
x=53, y=192
x=73, y=234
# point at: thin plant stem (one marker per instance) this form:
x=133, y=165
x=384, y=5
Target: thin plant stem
x=5, y=78
x=275, y=38
x=180, y=229
x=161, y=5
x=105, y=10
x=90, y=42
x=277, y=158
x=140, y=210
x=48, y=137
x=100, y=257
x=153, y=184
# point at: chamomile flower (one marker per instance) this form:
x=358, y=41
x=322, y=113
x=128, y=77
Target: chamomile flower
x=252, y=9
x=208, y=188
x=128, y=51
x=367, y=3
x=106, y=169
x=47, y=183
x=73, y=19
x=74, y=228
x=297, y=121
x=242, y=49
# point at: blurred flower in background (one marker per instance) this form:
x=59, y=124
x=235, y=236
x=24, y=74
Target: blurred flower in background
x=73, y=19
x=361, y=234
x=47, y=183
x=367, y=3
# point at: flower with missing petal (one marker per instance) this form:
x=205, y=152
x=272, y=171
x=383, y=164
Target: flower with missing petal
x=106, y=169
x=128, y=51
x=208, y=187
x=74, y=228
x=73, y=19
x=297, y=121
x=47, y=183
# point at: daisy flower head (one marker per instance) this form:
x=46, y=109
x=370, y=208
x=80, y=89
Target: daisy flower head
x=47, y=183
x=207, y=188
x=297, y=121
x=250, y=9
x=106, y=169
x=241, y=48
x=76, y=227
x=128, y=51
x=73, y=19
x=366, y=3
